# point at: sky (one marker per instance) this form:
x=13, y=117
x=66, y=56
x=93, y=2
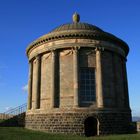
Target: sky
x=22, y=21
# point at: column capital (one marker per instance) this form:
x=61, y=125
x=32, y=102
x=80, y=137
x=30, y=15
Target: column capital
x=53, y=49
x=53, y=53
x=99, y=49
x=37, y=57
x=76, y=47
x=30, y=61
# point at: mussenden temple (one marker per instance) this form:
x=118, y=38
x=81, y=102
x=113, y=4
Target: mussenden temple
x=78, y=82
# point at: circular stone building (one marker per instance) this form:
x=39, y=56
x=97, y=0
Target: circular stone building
x=78, y=81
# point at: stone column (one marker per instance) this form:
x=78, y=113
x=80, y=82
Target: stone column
x=125, y=84
x=53, y=87
x=75, y=76
x=29, y=104
x=99, y=87
x=115, y=79
x=38, y=81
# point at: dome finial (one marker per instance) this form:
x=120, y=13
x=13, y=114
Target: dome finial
x=76, y=17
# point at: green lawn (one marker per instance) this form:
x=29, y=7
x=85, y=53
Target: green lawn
x=15, y=133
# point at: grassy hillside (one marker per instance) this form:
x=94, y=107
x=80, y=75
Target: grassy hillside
x=15, y=133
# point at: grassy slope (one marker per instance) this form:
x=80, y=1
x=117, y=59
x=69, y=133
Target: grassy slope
x=15, y=133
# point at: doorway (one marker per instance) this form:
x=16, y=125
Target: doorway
x=90, y=126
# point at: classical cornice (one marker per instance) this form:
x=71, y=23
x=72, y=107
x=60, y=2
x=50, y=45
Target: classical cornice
x=80, y=34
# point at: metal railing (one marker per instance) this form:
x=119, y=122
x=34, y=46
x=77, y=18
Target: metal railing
x=14, y=111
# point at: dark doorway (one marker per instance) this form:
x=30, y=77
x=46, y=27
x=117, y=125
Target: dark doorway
x=90, y=125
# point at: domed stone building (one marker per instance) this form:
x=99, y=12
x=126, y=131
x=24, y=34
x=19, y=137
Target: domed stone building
x=78, y=81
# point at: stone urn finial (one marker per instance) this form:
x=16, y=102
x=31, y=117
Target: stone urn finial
x=76, y=17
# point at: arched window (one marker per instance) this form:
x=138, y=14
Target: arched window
x=87, y=86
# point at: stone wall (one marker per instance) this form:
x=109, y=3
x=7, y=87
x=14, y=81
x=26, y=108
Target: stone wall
x=111, y=83
x=87, y=58
x=66, y=78
x=73, y=122
x=16, y=121
x=138, y=126
x=115, y=92
x=45, y=81
x=5, y=116
x=108, y=79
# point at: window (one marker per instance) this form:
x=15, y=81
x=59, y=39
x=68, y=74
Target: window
x=87, y=86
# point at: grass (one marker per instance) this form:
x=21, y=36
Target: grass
x=18, y=133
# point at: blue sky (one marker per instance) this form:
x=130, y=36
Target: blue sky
x=22, y=21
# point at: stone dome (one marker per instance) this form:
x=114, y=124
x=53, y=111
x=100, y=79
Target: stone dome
x=77, y=26
x=79, y=30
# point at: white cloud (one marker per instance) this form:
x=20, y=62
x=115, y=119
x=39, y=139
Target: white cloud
x=8, y=108
x=25, y=88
